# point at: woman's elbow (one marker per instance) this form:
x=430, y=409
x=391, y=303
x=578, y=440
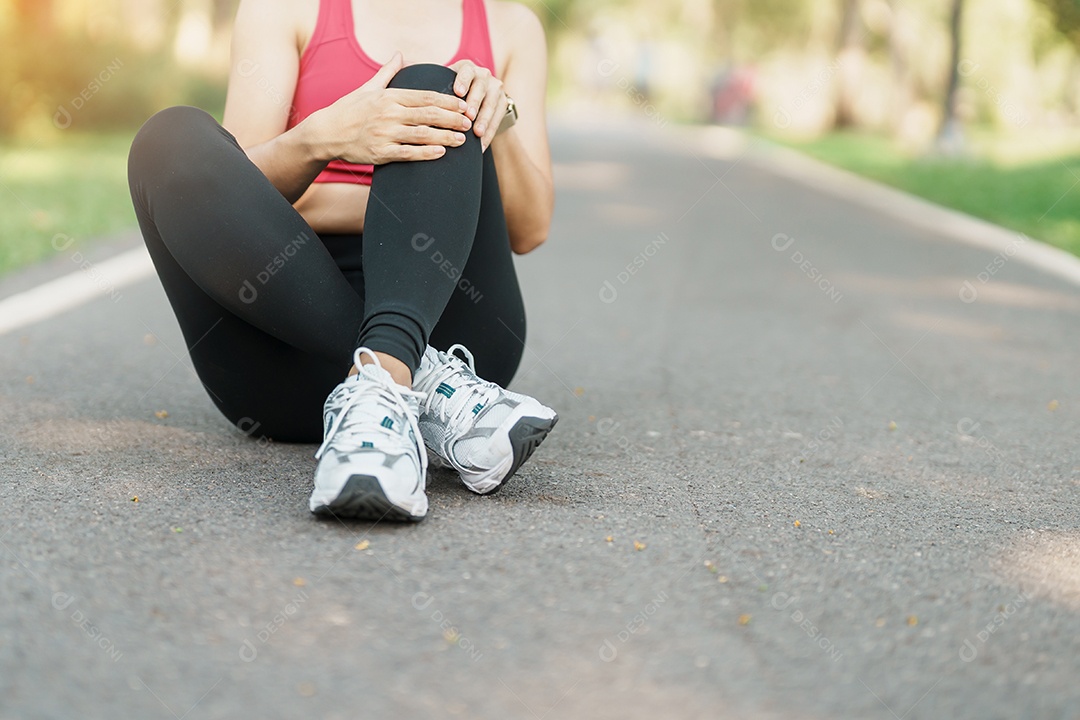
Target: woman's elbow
x=530, y=233
x=525, y=242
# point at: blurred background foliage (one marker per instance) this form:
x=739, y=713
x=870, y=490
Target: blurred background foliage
x=923, y=94
x=797, y=66
x=109, y=64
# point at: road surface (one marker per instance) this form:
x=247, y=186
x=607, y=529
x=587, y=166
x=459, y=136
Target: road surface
x=815, y=460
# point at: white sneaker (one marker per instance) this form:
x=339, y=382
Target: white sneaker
x=481, y=430
x=371, y=463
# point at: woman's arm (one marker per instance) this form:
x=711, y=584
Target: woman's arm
x=262, y=80
x=371, y=125
x=522, y=155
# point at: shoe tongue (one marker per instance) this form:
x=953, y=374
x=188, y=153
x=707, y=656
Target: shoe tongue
x=429, y=363
x=376, y=373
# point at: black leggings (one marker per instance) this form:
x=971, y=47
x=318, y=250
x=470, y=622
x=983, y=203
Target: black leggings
x=271, y=312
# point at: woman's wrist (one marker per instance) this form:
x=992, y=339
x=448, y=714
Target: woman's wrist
x=313, y=139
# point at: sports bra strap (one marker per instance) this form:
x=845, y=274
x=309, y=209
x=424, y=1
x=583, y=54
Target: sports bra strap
x=334, y=21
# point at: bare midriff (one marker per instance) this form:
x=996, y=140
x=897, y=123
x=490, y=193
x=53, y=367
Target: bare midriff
x=332, y=208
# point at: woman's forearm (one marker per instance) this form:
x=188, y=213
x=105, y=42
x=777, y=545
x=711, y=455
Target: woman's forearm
x=527, y=195
x=292, y=160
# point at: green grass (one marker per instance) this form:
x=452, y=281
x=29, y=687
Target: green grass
x=1030, y=184
x=73, y=185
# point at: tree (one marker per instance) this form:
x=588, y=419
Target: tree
x=851, y=56
x=1066, y=14
x=950, y=137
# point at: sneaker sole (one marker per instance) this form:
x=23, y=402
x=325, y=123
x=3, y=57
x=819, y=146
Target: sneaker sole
x=525, y=437
x=362, y=498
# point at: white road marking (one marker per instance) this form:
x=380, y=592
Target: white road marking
x=729, y=144
x=91, y=282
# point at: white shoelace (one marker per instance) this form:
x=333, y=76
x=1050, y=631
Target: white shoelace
x=456, y=409
x=389, y=395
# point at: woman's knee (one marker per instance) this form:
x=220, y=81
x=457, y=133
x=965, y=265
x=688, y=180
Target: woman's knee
x=425, y=76
x=176, y=136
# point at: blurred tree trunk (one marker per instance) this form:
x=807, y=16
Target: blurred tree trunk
x=950, y=138
x=902, y=94
x=851, y=57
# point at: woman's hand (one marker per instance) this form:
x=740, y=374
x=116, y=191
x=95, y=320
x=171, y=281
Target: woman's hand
x=374, y=125
x=485, y=97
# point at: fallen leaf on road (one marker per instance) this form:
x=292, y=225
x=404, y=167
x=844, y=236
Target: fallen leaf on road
x=135, y=498
x=912, y=620
x=609, y=538
x=162, y=414
x=639, y=545
x=363, y=545
x=1052, y=405
x=892, y=425
x=798, y=524
x=722, y=579
x=299, y=582
x=709, y=565
x=745, y=619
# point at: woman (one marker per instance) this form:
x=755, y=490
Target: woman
x=359, y=202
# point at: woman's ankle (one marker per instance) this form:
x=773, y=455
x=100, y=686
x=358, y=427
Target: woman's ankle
x=398, y=370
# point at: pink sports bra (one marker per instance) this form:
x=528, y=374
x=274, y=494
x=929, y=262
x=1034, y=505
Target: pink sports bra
x=334, y=65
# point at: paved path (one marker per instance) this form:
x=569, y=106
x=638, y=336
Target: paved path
x=796, y=476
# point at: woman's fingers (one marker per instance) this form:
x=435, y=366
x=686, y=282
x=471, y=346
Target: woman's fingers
x=493, y=127
x=486, y=117
x=424, y=135
x=434, y=117
x=413, y=153
x=466, y=72
x=425, y=98
x=386, y=73
x=475, y=98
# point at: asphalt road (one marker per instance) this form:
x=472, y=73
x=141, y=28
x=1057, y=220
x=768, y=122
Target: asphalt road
x=796, y=475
